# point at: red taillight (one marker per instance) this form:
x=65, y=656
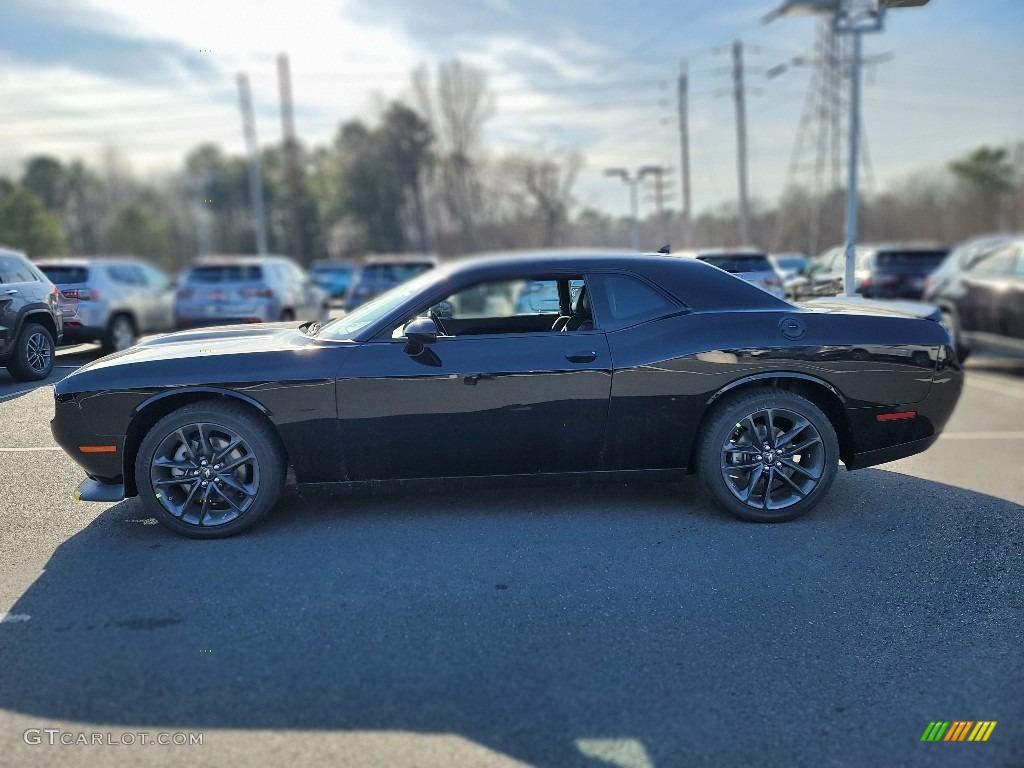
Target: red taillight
x=82, y=294
x=253, y=320
x=257, y=293
x=899, y=416
x=185, y=293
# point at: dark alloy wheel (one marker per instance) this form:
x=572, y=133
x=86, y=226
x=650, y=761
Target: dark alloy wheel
x=210, y=470
x=32, y=358
x=768, y=455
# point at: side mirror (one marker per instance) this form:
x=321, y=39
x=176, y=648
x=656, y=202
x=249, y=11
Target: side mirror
x=422, y=330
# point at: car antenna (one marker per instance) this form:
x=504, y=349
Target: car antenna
x=666, y=249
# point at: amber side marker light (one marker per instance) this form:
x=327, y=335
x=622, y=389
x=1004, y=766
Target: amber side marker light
x=896, y=416
x=98, y=448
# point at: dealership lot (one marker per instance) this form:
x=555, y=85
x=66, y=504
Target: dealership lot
x=628, y=625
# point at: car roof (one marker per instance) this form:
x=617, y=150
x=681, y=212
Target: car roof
x=910, y=245
x=220, y=260
x=401, y=258
x=85, y=261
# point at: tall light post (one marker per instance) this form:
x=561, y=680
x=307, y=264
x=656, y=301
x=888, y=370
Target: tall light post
x=853, y=17
x=633, y=181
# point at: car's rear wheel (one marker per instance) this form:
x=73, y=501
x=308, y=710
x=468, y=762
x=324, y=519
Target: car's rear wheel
x=120, y=334
x=32, y=357
x=210, y=470
x=767, y=455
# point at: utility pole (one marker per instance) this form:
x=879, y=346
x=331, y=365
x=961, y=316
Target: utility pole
x=252, y=148
x=200, y=186
x=288, y=124
x=684, y=142
x=741, y=139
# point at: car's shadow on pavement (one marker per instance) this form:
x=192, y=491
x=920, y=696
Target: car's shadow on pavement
x=538, y=621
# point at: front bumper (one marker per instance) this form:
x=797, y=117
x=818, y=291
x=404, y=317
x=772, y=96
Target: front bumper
x=95, y=490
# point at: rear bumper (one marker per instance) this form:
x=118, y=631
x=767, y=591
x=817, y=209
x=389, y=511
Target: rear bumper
x=892, y=453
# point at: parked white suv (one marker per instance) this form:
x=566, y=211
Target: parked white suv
x=111, y=299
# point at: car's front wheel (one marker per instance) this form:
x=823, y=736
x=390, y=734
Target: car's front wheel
x=32, y=357
x=768, y=455
x=210, y=470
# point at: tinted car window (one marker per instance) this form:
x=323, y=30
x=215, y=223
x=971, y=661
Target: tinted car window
x=999, y=262
x=740, y=263
x=394, y=273
x=631, y=301
x=126, y=275
x=921, y=259
x=14, y=270
x=225, y=273
x=154, y=277
x=62, y=274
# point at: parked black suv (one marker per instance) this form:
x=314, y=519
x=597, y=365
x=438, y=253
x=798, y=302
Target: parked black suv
x=30, y=322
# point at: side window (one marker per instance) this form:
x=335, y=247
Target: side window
x=500, y=298
x=14, y=270
x=126, y=274
x=629, y=301
x=154, y=277
x=998, y=262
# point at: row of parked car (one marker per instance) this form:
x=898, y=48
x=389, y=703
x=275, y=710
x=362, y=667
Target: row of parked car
x=979, y=285
x=114, y=300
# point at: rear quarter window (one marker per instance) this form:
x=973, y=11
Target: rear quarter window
x=13, y=270
x=629, y=301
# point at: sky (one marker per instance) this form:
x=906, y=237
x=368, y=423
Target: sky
x=156, y=78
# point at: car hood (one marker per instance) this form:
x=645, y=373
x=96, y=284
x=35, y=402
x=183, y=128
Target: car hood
x=849, y=305
x=222, y=340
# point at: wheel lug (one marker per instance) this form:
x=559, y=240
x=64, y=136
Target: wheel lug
x=204, y=462
x=205, y=483
x=217, y=466
x=778, y=463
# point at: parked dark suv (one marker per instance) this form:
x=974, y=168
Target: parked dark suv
x=982, y=299
x=890, y=271
x=30, y=321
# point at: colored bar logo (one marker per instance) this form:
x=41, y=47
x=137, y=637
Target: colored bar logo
x=958, y=730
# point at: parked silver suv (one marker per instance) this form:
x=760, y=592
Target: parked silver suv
x=111, y=299
x=225, y=290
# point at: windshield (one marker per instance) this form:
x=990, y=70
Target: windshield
x=224, y=273
x=346, y=327
x=917, y=259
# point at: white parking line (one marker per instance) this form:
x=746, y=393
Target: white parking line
x=995, y=385
x=19, y=393
x=983, y=435
x=31, y=450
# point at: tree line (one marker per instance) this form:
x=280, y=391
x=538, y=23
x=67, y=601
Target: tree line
x=420, y=179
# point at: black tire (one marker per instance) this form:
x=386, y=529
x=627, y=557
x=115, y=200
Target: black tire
x=32, y=356
x=253, y=485
x=731, y=460
x=120, y=334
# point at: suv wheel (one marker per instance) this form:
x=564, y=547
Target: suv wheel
x=32, y=357
x=120, y=334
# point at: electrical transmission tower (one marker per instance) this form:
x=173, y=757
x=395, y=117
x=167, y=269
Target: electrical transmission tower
x=818, y=157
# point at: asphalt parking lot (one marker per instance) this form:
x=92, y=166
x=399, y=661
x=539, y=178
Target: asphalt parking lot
x=624, y=625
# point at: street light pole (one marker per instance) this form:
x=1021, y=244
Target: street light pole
x=850, y=17
x=632, y=181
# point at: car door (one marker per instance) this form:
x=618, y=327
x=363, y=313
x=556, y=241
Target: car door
x=160, y=293
x=504, y=395
x=983, y=314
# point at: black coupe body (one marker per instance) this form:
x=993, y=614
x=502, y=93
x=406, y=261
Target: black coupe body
x=650, y=364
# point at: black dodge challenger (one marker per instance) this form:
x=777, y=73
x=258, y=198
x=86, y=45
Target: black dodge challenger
x=576, y=364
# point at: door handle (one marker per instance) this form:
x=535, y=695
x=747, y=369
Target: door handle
x=11, y=292
x=581, y=357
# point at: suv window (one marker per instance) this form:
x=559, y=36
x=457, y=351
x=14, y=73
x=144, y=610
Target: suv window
x=14, y=270
x=910, y=258
x=754, y=262
x=998, y=262
x=225, y=273
x=62, y=274
x=154, y=277
x=126, y=274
